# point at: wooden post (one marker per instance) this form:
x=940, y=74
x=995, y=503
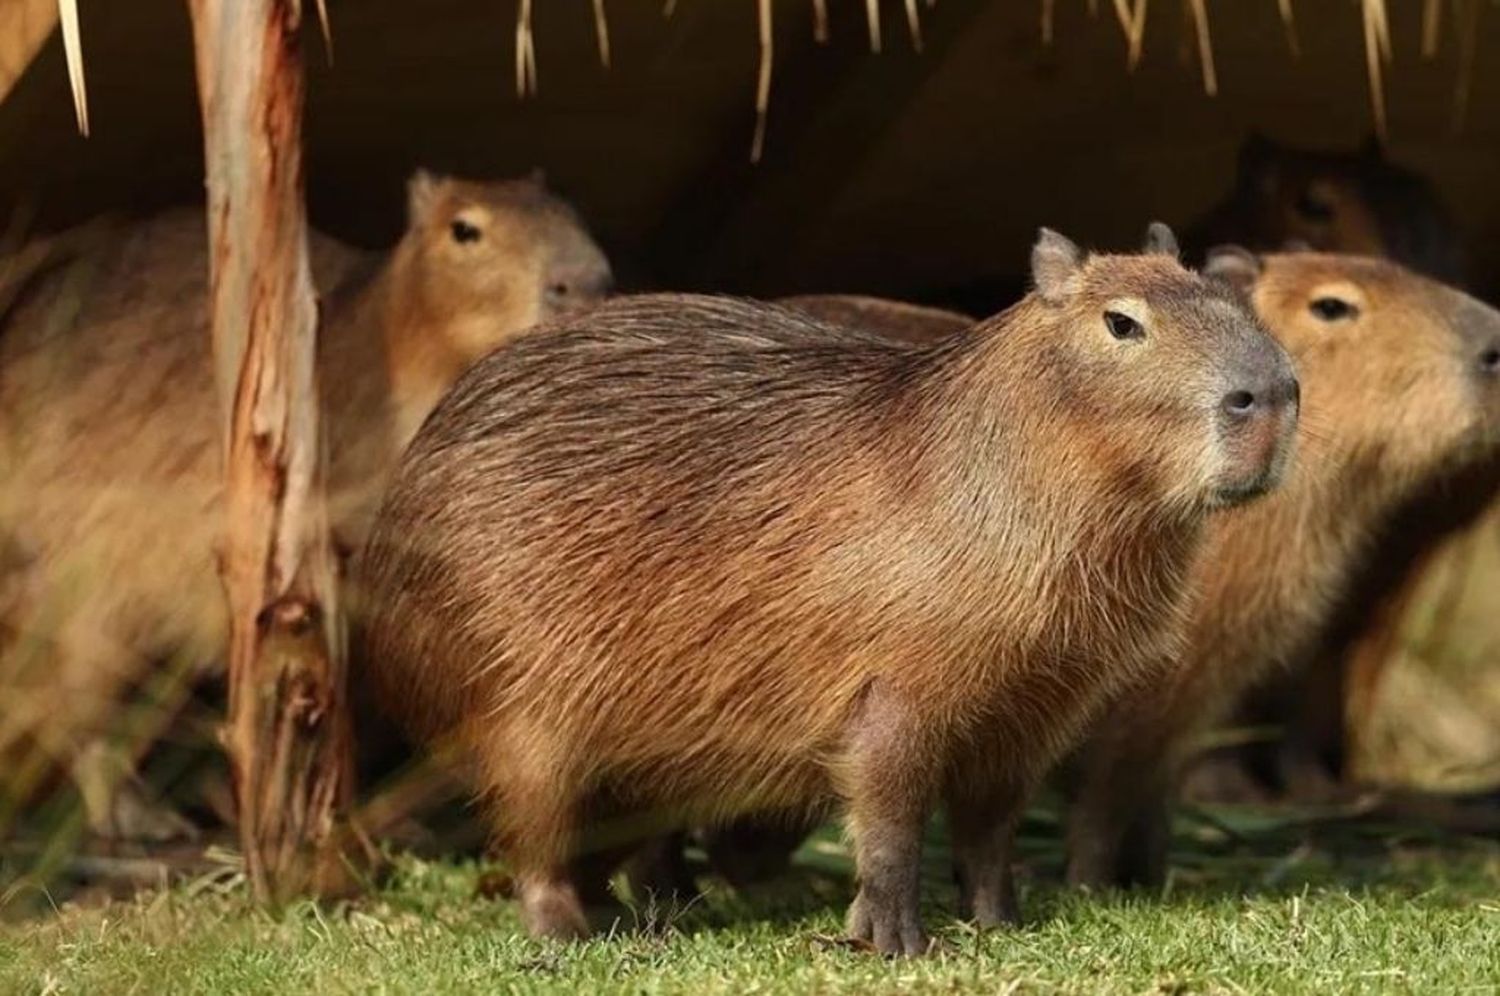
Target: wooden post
x=288, y=734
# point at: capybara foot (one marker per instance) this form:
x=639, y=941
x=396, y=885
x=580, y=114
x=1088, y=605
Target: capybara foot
x=993, y=904
x=893, y=928
x=551, y=909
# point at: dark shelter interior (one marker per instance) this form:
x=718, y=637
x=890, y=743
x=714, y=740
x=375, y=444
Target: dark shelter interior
x=904, y=173
x=920, y=175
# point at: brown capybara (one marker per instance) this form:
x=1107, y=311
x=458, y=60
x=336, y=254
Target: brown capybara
x=1338, y=201
x=110, y=439
x=1334, y=201
x=687, y=557
x=883, y=316
x=1401, y=382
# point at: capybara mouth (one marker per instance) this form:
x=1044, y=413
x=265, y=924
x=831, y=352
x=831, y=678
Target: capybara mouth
x=1233, y=495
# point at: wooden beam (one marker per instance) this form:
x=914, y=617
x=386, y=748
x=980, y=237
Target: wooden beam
x=288, y=734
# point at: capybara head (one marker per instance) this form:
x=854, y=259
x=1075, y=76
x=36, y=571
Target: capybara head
x=489, y=258
x=1403, y=371
x=1339, y=201
x=1173, y=371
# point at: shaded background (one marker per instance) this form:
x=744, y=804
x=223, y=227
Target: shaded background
x=901, y=173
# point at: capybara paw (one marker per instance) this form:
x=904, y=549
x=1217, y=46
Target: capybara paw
x=892, y=928
x=994, y=908
x=553, y=911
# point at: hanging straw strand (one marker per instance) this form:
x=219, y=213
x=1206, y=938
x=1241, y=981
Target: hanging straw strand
x=1377, y=53
x=67, y=14
x=1205, y=47
x=1289, y=24
x=601, y=30
x=525, y=53
x=763, y=84
x=1432, y=27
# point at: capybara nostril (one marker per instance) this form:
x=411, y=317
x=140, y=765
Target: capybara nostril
x=1489, y=360
x=1239, y=404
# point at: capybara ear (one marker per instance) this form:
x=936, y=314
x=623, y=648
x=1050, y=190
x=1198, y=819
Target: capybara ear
x=421, y=195
x=1054, y=260
x=537, y=176
x=1160, y=241
x=1233, y=264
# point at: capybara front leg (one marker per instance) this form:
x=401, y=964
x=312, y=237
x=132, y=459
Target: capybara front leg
x=888, y=796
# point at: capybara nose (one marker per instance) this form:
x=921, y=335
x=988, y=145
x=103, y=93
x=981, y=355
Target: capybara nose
x=1489, y=359
x=1273, y=395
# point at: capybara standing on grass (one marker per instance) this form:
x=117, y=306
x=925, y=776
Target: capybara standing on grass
x=689, y=557
x=110, y=440
x=1401, y=380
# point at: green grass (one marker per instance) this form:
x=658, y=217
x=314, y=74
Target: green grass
x=1258, y=905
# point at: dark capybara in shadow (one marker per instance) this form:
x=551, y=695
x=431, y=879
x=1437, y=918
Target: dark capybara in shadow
x=1356, y=202
x=1401, y=383
x=110, y=441
x=684, y=558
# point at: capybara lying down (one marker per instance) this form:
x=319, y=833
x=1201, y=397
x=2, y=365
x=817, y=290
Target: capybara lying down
x=1401, y=379
x=111, y=429
x=687, y=557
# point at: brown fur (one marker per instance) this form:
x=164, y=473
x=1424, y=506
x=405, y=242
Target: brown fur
x=110, y=428
x=882, y=316
x=1392, y=398
x=690, y=557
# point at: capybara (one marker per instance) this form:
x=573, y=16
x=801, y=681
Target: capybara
x=111, y=446
x=884, y=316
x=1401, y=379
x=687, y=557
x=1334, y=201
x=1338, y=201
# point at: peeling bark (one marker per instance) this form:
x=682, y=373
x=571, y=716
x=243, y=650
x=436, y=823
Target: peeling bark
x=288, y=735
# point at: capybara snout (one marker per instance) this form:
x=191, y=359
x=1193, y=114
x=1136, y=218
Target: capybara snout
x=1257, y=418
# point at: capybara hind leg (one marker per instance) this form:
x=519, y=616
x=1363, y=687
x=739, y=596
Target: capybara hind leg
x=1144, y=845
x=1118, y=825
x=982, y=821
x=754, y=849
x=550, y=907
x=888, y=797
x=536, y=813
x=658, y=869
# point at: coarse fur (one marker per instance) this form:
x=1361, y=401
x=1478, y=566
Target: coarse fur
x=110, y=437
x=1404, y=388
x=883, y=316
x=690, y=557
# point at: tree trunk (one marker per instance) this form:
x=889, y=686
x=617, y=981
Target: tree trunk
x=288, y=734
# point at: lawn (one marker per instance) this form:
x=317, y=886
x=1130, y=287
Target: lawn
x=1259, y=902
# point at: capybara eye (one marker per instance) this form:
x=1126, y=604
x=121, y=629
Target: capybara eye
x=1123, y=326
x=464, y=232
x=1313, y=208
x=1331, y=309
